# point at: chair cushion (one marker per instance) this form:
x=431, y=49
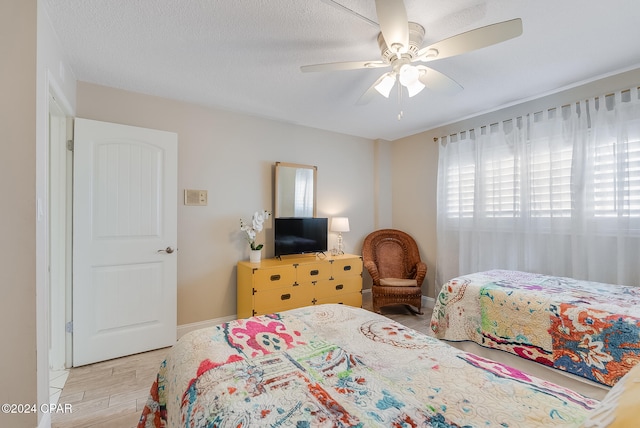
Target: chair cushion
x=398, y=282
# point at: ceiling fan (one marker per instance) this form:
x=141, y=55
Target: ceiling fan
x=400, y=43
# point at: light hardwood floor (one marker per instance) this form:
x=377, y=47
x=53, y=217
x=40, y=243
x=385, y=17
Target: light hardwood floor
x=112, y=393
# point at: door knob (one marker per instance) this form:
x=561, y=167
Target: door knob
x=167, y=250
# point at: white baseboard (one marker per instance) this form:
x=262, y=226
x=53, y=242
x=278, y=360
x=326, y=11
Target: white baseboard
x=186, y=328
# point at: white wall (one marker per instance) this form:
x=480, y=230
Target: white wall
x=53, y=79
x=233, y=156
x=415, y=162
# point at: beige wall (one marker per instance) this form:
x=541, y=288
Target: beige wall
x=232, y=156
x=377, y=184
x=415, y=162
x=414, y=166
x=383, y=184
x=17, y=226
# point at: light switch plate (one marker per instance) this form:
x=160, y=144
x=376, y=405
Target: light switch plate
x=195, y=197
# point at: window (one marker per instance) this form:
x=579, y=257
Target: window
x=616, y=184
x=504, y=187
x=553, y=193
x=460, y=190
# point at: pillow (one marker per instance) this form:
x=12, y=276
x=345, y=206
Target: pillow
x=620, y=407
x=398, y=282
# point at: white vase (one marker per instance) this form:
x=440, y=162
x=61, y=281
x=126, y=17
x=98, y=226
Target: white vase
x=255, y=256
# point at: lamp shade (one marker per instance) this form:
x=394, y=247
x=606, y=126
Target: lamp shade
x=385, y=85
x=340, y=224
x=410, y=78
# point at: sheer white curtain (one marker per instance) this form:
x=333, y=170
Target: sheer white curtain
x=303, y=193
x=556, y=192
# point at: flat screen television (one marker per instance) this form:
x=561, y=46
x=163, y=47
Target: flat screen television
x=297, y=235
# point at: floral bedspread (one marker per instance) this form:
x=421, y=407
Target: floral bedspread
x=586, y=328
x=339, y=366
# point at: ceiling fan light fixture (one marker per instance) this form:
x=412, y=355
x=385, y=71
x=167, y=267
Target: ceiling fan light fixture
x=400, y=43
x=408, y=74
x=386, y=84
x=410, y=79
x=415, y=88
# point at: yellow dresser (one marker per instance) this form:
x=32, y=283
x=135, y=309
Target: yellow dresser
x=275, y=285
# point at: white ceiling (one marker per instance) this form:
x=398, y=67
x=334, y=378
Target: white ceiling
x=245, y=55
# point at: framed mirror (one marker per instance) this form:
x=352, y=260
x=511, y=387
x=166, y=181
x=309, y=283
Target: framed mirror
x=295, y=192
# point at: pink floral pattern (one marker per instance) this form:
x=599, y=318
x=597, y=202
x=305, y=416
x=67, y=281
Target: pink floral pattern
x=259, y=336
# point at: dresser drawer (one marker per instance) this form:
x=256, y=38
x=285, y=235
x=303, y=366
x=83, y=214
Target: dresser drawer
x=267, y=279
x=309, y=272
x=338, y=287
x=346, y=267
x=280, y=299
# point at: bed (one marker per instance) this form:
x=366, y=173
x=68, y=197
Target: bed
x=587, y=329
x=339, y=366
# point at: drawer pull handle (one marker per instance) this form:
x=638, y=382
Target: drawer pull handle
x=285, y=296
x=339, y=286
x=275, y=278
x=314, y=272
x=347, y=267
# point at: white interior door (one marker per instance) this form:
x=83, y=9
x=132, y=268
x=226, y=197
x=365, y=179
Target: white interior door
x=124, y=240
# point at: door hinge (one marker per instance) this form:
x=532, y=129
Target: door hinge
x=70, y=145
x=69, y=327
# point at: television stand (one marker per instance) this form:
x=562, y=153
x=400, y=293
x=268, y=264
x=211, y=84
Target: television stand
x=289, y=282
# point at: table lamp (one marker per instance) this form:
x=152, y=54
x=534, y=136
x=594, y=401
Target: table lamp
x=340, y=224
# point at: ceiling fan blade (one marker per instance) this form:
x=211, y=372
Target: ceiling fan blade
x=338, y=66
x=372, y=91
x=436, y=81
x=343, y=8
x=394, y=24
x=472, y=40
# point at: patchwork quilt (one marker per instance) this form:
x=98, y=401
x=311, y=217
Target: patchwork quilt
x=586, y=328
x=340, y=366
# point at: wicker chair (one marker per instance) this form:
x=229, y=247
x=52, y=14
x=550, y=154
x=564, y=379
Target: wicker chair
x=392, y=259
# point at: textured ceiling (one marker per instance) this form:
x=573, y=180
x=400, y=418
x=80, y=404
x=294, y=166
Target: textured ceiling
x=245, y=55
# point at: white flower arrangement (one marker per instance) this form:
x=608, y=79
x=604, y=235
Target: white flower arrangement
x=255, y=227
